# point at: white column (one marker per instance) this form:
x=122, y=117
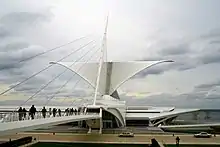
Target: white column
x=89, y=123
x=90, y=130
x=100, y=114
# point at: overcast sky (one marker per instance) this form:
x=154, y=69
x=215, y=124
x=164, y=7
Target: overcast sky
x=186, y=31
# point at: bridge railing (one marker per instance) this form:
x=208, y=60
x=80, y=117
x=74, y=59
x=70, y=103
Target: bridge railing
x=16, y=116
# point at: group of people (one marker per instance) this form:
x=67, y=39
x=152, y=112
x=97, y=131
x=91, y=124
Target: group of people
x=22, y=112
x=52, y=112
x=70, y=111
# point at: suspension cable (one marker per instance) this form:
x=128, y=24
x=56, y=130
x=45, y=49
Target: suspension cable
x=59, y=90
x=81, y=100
x=73, y=89
x=42, y=88
x=45, y=68
x=74, y=101
x=47, y=51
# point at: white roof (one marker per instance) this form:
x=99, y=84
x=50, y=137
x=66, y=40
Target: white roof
x=154, y=116
x=116, y=72
x=192, y=125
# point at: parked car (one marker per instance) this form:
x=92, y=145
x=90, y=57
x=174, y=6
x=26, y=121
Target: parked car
x=203, y=135
x=126, y=134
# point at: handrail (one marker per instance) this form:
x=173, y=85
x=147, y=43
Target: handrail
x=21, y=116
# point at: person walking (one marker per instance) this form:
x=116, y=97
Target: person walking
x=44, y=111
x=54, y=112
x=71, y=111
x=59, y=112
x=50, y=111
x=177, y=141
x=20, y=113
x=24, y=113
x=32, y=111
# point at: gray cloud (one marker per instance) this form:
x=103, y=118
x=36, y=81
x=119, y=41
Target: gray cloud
x=14, y=49
x=187, y=100
x=179, y=49
x=3, y=32
x=186, y=55
x=20, y=33
x=212, y=34
x=23, y=20
x=153, y=70
x=211, y=57
x=13, y=46
x=208, y=86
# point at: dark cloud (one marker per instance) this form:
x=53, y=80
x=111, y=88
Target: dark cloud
x=12, y=25
x=181, y=49
x=11, y=55
x=180, y=65
x=155, y=70
x=211, y=57
x=198, y=98
x=31, y=102
x=204, y=49
x=31, y=86
x=13, y=46
x=208, y=86
x=212, y=34
x=14, y=49
x=187, y=100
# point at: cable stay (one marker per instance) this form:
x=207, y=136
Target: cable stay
x=74, y=86
x=76, y=99
x=47, y=51
x=35, y=74
x=70, y=78
x=73, y=89
x=52, y=80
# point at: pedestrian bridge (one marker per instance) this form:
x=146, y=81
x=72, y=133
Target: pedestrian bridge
x=14, y=125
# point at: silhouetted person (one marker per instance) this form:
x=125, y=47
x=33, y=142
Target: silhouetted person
x=66, y=112
x=44, y=111
x=24, y=112
x=32, y=111
x=71, y=111
x=59, y=112
x=79, y=110
x=177, y=141
x=20, y=113
x=54, y=112
x=154, y=143
x=75, y=111
x=50, y=111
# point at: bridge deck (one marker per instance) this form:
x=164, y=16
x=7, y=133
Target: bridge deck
x=25, y=125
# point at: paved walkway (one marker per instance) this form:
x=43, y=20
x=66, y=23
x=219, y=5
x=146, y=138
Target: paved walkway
x=112, y=138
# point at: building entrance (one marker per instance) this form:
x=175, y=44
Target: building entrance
x=107, y=124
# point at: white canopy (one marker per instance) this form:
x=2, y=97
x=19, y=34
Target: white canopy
x=113, y=74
